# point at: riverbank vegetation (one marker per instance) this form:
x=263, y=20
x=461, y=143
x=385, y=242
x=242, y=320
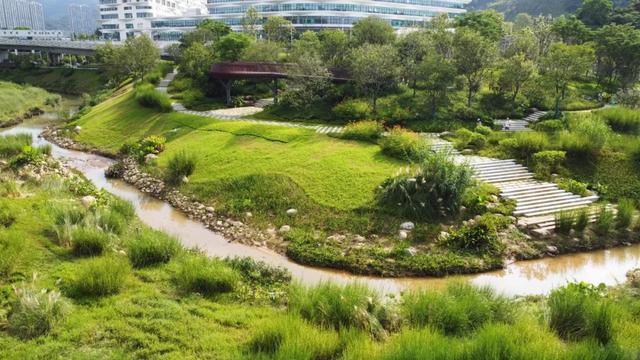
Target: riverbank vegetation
x=145, y=296
x=63, y=81
x=17, y=101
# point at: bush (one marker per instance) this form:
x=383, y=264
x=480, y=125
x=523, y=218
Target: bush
x=621, y=119
x=11, y=249
x=149, y=247
x=96, y=277
x=199, y=274
x=458, y=310
x=363, y=131
x=29, y=155
x=352, y=110
x=549, y=161
x=564, y=222
x=524, y=144
x=574, y=186
x=582, y=220
x=343, y=307
x=469, y=139
x=11, y=145
x=35, y=312
x=404, y=145
x=88, y=241
x=549, y=126
x=478, y=239
x=289, y=337
x=624, y=216
x=152, y=144
x=605, y=220
x=577, y=311
x=149, y=97
x=180, y=165
x=484, y=130
x=436, y=190
x=586, y=135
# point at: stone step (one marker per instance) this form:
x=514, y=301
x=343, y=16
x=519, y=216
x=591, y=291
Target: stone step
x=501, y=170
x=568, y=197
x=483, y=165
x=554, y=205
x=501, y=179
x=557, y=207
x=504, y=174
x=539, y=195
x=527, y=189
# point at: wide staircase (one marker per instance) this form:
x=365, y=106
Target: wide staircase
x=519, y=125
x=537, y=202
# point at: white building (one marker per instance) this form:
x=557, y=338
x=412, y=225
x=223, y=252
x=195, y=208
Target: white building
x=120, y=19
x=82, y=19
x=21, y=13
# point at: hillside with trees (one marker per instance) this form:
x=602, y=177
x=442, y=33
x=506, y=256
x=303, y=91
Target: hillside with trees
x=511, y=8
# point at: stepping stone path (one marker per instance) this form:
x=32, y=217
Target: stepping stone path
x=243, y=113
x=521, y=124
x=537, y=202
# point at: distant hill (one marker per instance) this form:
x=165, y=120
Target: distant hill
x=55, y=12
x=511, y=8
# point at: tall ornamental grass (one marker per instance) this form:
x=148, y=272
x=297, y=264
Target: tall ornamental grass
x=11, y=251
x=35, y=312
x=89, y=241
x=207, y=276
x=147, y=96
x=624, y=215
x=368, y=130
x=180, y=166
x=149, y=247
x=11, y=145
x=97, y=277
x=404, y=144
x=621, y=119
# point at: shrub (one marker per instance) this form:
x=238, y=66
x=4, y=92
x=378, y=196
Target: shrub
x=28, y=155
x=549, y=161
x=549, y=126
x=352, y=110
x=11, y=249
x=564, y=222
x=11, y=145
x=88, y=241
x=35, y=312
x=149, y=97
x=624, y=216
x=404, y=145
x=478, y=238
x=111, y=221
x=585, y=137
x=582, y=220
x=152, y=144
x=180, y=165
x=484, y=130
x=469, y=139
x=524, y=144
x=369, y=130
x=436, y=190
x=199, y=274
x=605, y=220
x=342, y=307
x=149, y=247
x=577, y=311
x=573, y=186
x=96, y=277
x=459, y=309
x=621, y=119
x=289, y=337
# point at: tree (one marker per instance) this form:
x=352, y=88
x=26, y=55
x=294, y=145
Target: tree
x=196, y=61
x=521, y=42
x=436, y=74
x=595, y=13
x=515, y=72
x=618, y=52
x=440, y=36
x=543, y=31
x=230, y=47
x=262, y=51
x=250, y=22
x=522, y=21
x=489, y=23
x=174, y=51
x=564, y=63
x=473, y=56
x=278, y=29
x=113, y=61
x=374, y=69
x=412, y=48
x=307, y=45
x=206, y=32
x=334, y=45
x=141, y=55
x=571, y=30
x=372, y=30
x=309, y=82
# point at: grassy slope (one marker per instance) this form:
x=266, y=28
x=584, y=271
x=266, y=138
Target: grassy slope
x=332, y=172
x=65, y=81
x=16, y=99
x=150, y=319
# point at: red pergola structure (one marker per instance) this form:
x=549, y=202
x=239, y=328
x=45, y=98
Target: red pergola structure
x=226, y=72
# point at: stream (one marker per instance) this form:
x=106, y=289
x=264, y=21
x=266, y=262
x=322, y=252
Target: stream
x=519, y=278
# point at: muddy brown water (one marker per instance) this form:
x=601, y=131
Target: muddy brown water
x=519, y=278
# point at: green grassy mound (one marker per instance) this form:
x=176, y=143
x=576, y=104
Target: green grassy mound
x=64, y=81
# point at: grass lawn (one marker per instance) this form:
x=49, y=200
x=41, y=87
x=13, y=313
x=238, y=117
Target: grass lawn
x=15, y=100
x=332, y=172
x=64, y=81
